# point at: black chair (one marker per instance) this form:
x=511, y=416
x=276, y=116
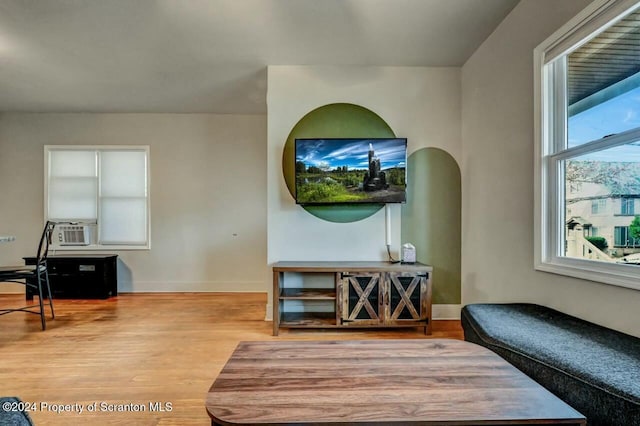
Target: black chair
x=34, y=276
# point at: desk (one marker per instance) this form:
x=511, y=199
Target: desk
x=7, y=238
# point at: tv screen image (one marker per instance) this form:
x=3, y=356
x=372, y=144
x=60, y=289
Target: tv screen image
x=350, y=171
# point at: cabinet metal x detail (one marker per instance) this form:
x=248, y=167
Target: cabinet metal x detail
x=363, y=295
x=406, y=298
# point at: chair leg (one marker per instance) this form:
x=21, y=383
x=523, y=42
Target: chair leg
x=46, y=278
x=42, y=319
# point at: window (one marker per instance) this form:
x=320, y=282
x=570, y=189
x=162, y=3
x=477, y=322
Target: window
x=104, y=188
x=598, y=206
x=626, y=206
x=622, y=238
x=588, y=142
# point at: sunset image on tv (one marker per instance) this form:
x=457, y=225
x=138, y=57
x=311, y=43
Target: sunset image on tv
x=332, y=171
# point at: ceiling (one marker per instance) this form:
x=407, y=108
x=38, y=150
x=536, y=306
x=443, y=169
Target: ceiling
x=211, y=55
x=608, y=58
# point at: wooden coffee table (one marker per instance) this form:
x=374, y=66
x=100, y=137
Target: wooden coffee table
x=390, y=382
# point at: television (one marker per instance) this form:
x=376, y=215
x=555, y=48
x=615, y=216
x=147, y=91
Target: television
x=350, y=171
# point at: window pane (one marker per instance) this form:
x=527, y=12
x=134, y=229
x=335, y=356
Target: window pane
x=626, y=206
x=610, y=177
x=72, y=163
x=620, y=236
x=123, y=173
x=616, y=115
x=123, y=221
x=598, y=206
x=603, y=83
x=73, y=199
x=72, y=185
x=123, y=191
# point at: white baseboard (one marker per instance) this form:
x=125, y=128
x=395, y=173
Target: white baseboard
x=446, y=312
x=12, y=288
x=191, y=286
x=269, y=313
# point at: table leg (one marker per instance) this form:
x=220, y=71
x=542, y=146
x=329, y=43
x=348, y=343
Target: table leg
x=276, y=302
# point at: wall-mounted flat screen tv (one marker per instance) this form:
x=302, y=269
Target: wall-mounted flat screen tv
x=351, y=171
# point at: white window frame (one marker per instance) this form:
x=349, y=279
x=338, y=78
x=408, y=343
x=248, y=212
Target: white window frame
x=550, y=131
x=96, y=246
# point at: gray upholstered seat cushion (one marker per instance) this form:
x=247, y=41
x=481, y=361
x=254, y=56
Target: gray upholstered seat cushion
x=593, y=368
x=13, y=417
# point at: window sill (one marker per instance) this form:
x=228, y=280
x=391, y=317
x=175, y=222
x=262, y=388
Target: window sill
x=617, y=274
x=97, y=247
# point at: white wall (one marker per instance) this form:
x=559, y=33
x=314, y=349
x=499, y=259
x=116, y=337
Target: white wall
x=208, y=194
x=421, y=104
x=497, y=177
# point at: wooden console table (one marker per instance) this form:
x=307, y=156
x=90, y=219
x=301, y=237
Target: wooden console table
x=351, y=294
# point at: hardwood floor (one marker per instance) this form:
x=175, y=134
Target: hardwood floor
x=137, y=349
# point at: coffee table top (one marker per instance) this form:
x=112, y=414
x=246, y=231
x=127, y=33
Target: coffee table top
x=426, y=382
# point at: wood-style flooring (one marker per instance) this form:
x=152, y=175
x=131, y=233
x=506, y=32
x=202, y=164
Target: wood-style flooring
x=127, y=352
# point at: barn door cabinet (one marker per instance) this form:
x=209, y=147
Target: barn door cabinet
x=384, y=299
x=356, y=295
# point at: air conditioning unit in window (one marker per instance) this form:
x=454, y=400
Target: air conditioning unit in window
x=74, y=235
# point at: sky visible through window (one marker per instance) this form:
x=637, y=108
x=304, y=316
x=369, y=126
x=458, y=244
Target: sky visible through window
x=616, y=115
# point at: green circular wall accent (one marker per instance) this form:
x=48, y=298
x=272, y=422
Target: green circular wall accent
x=334, y=121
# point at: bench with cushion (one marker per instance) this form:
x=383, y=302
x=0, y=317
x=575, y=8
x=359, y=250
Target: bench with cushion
x=10, y=413
x=594, y=369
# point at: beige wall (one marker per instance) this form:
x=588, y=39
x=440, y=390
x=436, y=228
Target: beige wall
x=497, y=177
x=208, y=193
